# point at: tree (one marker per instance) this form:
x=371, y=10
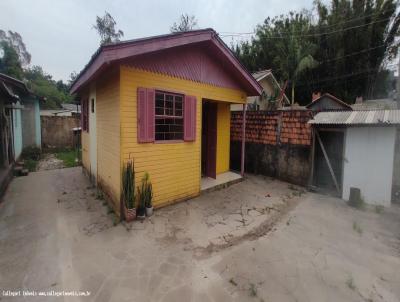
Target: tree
x=105, y=27
x=343, y=50
x=9, y=61
x=186, y=23
x=14, y=39
x=54, y=92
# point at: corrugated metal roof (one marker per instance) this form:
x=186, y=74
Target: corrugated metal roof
x=381, y=104
x=371, y=117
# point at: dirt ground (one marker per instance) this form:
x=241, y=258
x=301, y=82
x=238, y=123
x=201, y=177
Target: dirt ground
x=259, y=240
x=50, y=162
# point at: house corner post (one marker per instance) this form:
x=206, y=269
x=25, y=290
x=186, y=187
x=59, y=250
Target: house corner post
x=243, y=140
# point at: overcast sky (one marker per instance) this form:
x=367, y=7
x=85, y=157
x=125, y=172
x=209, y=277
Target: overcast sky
x=60, y=37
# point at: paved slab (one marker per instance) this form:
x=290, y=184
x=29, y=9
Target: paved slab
x=259, y=240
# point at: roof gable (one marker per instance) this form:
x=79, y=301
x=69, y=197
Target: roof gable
x=328, y=102
x=204, y=40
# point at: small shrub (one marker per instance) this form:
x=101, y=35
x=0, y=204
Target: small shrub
x=128, y=185
x=31, y=152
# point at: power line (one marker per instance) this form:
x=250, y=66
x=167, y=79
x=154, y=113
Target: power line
x=316, y=34
x=328, y=26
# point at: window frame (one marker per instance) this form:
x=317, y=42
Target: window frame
x=168, y=116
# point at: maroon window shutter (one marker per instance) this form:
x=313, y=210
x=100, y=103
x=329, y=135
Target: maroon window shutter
x=150, y=113
x=189, y=118
x=145, y=115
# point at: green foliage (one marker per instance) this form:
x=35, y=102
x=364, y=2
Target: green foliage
x=30, y=164
x=42, y=84
x=128, y=185
x=146, y=192
x=343, y=50
x=14, y=39
x=186, y=23
x=31, y=152
x=9, y=61
x=105, y=27
x=68, y=157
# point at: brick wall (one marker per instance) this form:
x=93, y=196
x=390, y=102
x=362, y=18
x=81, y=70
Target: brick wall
x=273, y=127
x=278, y=144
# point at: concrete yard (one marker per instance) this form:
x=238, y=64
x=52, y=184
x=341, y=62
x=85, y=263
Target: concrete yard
x=259, y=240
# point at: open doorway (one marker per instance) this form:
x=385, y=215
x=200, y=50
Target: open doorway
x=209, y=139
x=333, y=142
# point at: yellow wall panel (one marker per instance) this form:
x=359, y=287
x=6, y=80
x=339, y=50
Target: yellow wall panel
x=174, y=168
x=108, y=136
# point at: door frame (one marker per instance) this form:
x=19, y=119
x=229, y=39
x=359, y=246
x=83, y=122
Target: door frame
x=209, y=138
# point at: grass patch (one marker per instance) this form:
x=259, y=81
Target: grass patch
x=357, y=228
x=379, y=209
x=68, y=157
x=30, y=164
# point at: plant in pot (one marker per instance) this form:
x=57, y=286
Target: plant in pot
x=128, y=191
x=147, y=191
x=141, y=211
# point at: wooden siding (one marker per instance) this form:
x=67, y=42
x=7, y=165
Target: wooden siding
x=174, y=168
x=108, y=137
x=223, y=137
x=85, y=150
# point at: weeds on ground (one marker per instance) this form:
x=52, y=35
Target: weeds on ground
x=233, y=282
x=358, y=204
x=31, y=156
x=68, y=157
x=350, y=283
x=252, y=290
x=379, y=209
x=357, y=228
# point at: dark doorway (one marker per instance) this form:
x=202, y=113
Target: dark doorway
x=209, y=139
x=333, y=142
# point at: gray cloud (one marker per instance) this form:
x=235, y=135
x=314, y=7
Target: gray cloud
x=60, y=37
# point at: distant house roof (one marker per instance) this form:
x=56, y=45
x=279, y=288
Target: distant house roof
x=12, y=86
x=71, y=107
x=338, y=103
x=115, y=52
x=380, y=104
x=351, y=118
x=267, y=73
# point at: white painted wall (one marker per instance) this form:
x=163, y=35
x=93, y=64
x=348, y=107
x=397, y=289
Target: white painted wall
x=93, y=133
x=368, y=163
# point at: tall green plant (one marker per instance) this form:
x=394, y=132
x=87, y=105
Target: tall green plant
x=146, y=192
x=128, y=185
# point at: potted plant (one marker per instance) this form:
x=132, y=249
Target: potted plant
x=147, y=191
x=128, y=191
x=141, y=211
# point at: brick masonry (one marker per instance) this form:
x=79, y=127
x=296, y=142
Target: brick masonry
x=278, y=144
x=273, y=127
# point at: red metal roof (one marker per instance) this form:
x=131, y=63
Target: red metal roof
x=204, y=39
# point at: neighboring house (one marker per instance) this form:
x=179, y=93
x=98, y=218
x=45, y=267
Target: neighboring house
x=327, y=102
x=163, y=102
x=271, y=91
x=364, y=152
x=379, y=104
x=66, y=110
x=19, y=123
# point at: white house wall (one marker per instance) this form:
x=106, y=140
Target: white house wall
x=368, y=163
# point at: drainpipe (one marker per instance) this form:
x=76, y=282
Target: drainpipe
x=243, y=140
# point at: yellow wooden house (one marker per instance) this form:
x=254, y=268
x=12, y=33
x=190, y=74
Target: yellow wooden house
x=163, y=102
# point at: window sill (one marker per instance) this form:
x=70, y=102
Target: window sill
x=175, y=141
